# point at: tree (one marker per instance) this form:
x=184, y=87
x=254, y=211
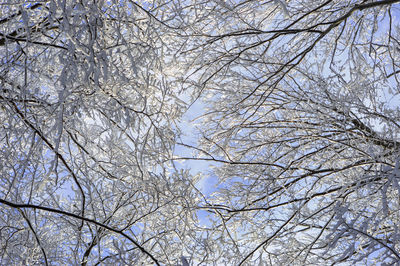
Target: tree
x=302, y=117
x=88, y=121
x=301, y=127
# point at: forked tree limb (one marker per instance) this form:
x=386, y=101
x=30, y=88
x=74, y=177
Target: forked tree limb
x=48, y=209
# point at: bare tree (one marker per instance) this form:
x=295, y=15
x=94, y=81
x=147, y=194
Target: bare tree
x=87, y=124
x=303, y=127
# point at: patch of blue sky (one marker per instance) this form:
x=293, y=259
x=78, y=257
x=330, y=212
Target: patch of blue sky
x=190, y=137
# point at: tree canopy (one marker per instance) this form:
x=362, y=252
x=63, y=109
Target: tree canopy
x=298, y=125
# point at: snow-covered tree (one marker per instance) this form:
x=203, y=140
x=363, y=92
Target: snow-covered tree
x=87, y=124
x=301, y=127
x=302, y=122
